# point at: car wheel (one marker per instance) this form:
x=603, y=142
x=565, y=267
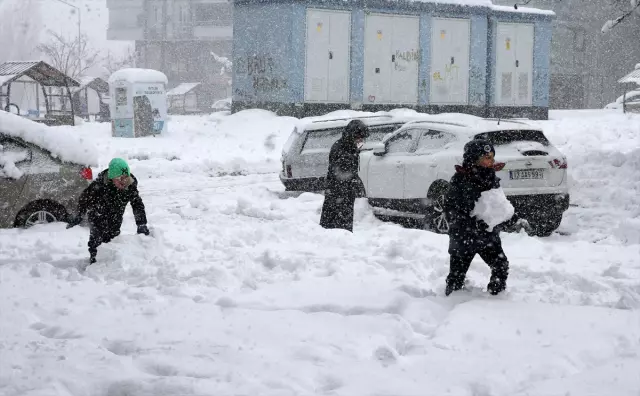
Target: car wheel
x=544, y=227
x=40, y=213
x=435, y=218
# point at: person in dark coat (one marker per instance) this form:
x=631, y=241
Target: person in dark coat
x=469, y=235
x=105, y=201
x=343, y=183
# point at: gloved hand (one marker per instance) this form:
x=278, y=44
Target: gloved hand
x=143, y=229
x=74, y=221
x=523, y=223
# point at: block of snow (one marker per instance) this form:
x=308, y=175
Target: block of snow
x=493, y=208
x=66, y=144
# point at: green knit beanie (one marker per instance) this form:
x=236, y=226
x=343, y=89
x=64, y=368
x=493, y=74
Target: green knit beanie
x=117, y=168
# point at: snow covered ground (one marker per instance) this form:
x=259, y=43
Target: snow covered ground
x=240, y=292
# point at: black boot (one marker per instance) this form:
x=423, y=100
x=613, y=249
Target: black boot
x=496, y=285
x=499, y=275
x=454, y=283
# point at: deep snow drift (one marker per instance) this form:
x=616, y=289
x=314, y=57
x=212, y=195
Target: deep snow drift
x=241, y=292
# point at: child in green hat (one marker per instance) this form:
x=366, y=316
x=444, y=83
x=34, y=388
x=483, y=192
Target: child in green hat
x=105, y=201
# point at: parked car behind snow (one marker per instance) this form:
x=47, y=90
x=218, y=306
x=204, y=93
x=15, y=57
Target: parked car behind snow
x=408, y=172
x=632, y=99
x=305, y=156
x=35, y=185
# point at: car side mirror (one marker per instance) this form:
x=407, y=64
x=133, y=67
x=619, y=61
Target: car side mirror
x=379, y=149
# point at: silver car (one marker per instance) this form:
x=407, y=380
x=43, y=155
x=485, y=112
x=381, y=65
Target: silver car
x=35, y=187
x=305, y=156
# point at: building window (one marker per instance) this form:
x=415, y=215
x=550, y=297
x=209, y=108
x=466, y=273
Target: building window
x=213, y=14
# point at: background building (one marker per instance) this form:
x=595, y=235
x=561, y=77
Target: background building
x=377, y=55
x=176, y=37
x=585, y=63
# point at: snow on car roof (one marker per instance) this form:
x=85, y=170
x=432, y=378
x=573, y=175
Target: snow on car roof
x=66, y=145
x=340, y=119
x=475, y=125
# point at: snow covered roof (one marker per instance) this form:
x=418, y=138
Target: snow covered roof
x=67, y=145
x=486, y=4
x=134, y=75
x=39, y=71
x=95, y=83
x=633, y=77
x=182, y=89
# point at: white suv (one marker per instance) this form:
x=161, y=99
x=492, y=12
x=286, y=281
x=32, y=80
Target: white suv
x=408, y=172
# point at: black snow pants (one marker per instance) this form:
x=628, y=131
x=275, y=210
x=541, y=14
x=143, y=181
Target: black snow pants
x=462, y=253
x=337, y=211
x=99, y=235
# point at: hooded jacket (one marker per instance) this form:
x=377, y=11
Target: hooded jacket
x=105, y=204
x=344, y=161
x=466, y=187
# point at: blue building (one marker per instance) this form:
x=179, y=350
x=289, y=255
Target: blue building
x=305, y=58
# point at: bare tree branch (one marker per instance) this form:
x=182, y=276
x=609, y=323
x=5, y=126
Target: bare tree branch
x=112, y=63
x=71, y=57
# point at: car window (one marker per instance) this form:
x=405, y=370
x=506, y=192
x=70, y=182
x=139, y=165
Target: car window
x=292, y=138
x=402, y=142
x=498, y=138
x=42, y=162
x=433, y=140
x=322, y=139
x=378, y=132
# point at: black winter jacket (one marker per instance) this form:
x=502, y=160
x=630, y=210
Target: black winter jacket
x=344, y=163
x=105, y=204
x=466, y=187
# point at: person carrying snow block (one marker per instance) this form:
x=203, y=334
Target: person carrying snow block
x=468, y=234
x=343, y=182
x=105, y=201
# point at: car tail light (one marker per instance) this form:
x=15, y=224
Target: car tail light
x=559, y=163
x=498, y=166
x=289, y=173
x=86, y=173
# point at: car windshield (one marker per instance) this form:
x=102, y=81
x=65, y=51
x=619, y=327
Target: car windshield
x=499, y=138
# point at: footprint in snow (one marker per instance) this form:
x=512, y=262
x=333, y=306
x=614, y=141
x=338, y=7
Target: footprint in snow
x=55, y=332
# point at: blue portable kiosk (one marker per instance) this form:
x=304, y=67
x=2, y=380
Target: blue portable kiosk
x=138, y=102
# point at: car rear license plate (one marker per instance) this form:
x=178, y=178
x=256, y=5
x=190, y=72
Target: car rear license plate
x=524, y=174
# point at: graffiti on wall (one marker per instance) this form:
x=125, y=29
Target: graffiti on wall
x=260, y=71
x=402, y=58
x=477, y=98
x=408, y=56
